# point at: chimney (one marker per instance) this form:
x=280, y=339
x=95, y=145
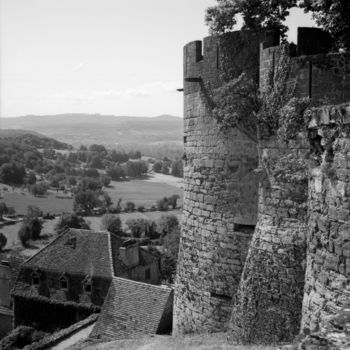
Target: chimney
x=129, y=253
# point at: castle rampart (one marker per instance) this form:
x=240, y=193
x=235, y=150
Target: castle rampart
x=299, y=223
x=269, y=301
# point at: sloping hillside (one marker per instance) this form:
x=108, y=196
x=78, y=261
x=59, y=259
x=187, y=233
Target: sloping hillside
x=31, y=138
x=110, y=130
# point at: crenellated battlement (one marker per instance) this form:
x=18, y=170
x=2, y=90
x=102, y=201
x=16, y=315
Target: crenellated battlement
x=315, y=71
x=233, y=52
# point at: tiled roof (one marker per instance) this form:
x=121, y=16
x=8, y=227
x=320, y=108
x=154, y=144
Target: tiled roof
x=133, y=308
x=76, y=252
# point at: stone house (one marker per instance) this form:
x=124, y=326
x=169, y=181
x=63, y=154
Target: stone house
x=69, y=279
x=9, y=267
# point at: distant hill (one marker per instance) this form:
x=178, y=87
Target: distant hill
x=32, y=139
x=109, y=130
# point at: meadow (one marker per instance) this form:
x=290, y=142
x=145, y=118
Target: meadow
x=144, y=192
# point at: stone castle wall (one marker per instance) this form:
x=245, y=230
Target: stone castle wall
x=220, y=193
x=268, y=306
x=299, y=223
x=327, y=287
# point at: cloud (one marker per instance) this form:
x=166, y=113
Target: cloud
x=146, y=90
x=142, y=91
x=79, y=66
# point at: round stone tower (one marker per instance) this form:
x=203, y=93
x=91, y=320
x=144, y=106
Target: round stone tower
x=220, y=185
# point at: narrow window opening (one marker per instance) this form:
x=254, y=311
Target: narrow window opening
x=221, y=296
x=148, y=274
x=63, y=283
x=35, y=280
x=88, y=288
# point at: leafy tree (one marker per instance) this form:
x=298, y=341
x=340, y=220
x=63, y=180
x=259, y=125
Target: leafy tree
x=30, y=178
x=3, y=209
x=173, y=200
x=3, y=241
x=82, y=156
x=106, y=180
x=118, y=157
x=49, y=153
x=256, y=14
x=168, y=260
x=165, y=168
x=33, y=212
x=163, y=204
x=151, y=230
x=24, y=234
x=90, y=184
x=38, y=189
x=72, y=180
x=157, y=167
x=167, y=223
x=98, y=148
x=116, y=172
x=112, y=223
x=333, y=16
x=72, y=157
x=136, y=168
x=12, y=173
x=35, y=226
x=106, y=200
x=130, y=206
x=137, y=227
x=135, y=155
x=85, y=200
x=71, y=220
x=177, y=168
x=91, y=172
x=32, y=222
x=96, y=162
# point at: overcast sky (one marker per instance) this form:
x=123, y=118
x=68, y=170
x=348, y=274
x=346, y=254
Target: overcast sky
x=98, y=56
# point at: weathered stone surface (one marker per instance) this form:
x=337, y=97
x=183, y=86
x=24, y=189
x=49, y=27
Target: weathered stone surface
x=220, y=193
x=327, y=284
x=299, y=223
x=269, y=299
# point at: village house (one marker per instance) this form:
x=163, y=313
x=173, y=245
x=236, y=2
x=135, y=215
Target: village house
x=70, y=278
x=9, y=267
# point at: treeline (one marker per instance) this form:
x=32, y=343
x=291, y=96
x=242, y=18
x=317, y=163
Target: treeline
x=167, y=166
x=22, y=163
x=33, y=140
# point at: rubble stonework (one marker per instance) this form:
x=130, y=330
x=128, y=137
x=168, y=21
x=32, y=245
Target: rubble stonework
x=327, y=284
x=299, y=223
x=269, y=300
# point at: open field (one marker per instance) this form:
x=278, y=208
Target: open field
x=142, y=192
x=48, y=204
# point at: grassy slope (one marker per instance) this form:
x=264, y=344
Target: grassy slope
x=214, y=341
